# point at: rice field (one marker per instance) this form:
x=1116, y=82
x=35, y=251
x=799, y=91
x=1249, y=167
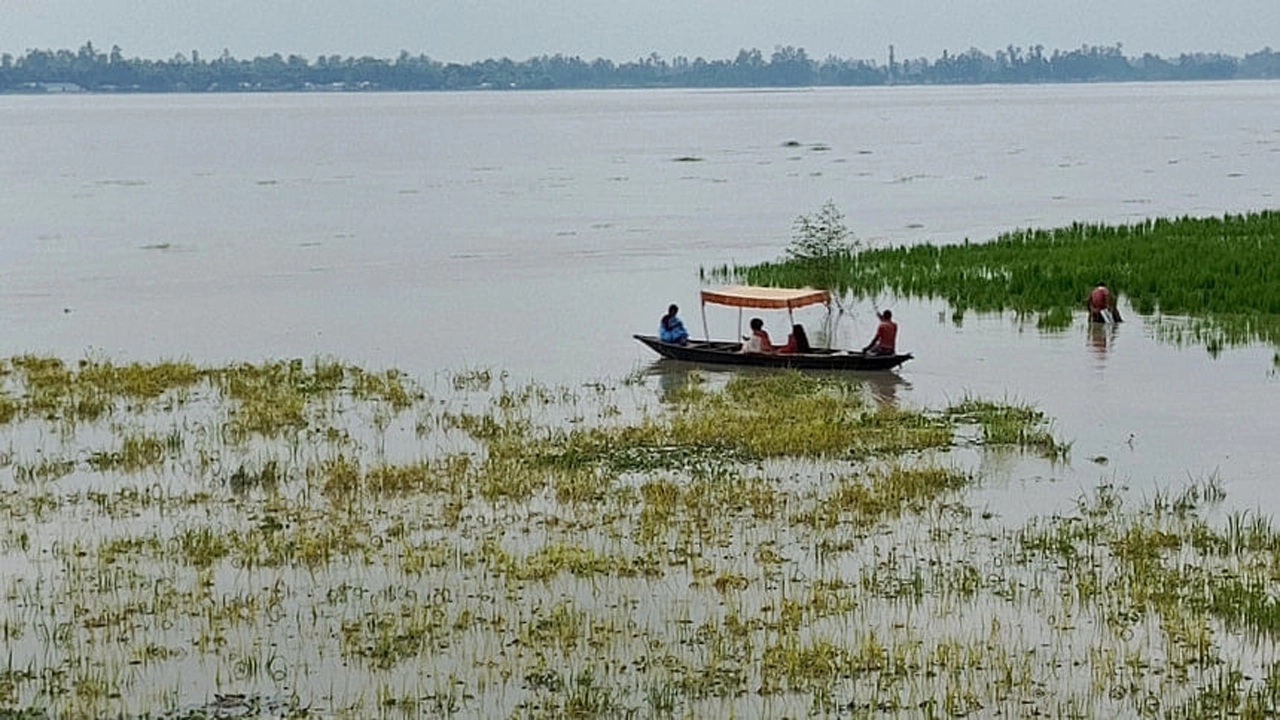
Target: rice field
x=1212, y=278
x=313, y=539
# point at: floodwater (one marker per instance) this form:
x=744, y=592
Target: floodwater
x=534, y=232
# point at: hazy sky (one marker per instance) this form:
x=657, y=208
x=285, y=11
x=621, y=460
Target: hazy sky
x=468, y=30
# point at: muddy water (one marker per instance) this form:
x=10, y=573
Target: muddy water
x=535, y=232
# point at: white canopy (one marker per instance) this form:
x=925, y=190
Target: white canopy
x=749, y=296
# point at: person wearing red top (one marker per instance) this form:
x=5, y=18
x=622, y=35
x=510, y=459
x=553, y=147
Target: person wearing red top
x=886, y=339
x=1100, y=300
x=797, y=342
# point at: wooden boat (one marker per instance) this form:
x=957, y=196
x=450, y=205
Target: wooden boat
x=729, y=352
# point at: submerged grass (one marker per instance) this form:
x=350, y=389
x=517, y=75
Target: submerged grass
x=1018, y=425
x=1217, y=270
x=774, y=546
x=754, y=418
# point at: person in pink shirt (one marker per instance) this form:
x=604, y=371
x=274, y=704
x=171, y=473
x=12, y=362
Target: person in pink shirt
x=886, y=340
x=1102, y=301
x=797, y=341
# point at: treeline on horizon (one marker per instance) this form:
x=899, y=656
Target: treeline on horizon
x=95, y=71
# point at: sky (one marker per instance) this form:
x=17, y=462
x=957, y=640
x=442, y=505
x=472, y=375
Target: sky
x=620, y=30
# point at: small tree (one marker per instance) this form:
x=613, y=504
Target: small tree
x=821, y=244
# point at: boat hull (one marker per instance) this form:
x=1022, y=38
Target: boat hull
x=723, y=352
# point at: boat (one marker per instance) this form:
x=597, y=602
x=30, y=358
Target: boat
x=729, y=352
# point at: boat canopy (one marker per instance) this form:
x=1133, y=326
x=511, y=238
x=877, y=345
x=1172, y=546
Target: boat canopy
x=749, y=296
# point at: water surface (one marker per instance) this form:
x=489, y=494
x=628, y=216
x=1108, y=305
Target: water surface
x=534, y=232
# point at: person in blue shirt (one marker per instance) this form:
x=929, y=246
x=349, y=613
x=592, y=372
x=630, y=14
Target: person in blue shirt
x=670, y=329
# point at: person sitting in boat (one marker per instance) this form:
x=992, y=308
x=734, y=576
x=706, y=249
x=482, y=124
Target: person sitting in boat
x=886, y=339
x=758, y=341
x=1101, y=302
x=671, y=329
x=797, y=342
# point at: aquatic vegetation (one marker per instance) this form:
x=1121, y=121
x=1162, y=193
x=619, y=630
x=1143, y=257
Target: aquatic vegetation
x=882, y=494
x=1216, y=270
x=390, y=386
x=43, y=470
x=769, y=545
x=1009, y=424
x=1055, y=318
x=137, y=452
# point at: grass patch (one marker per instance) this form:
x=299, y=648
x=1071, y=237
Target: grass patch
x=789, y=414
x=1019, y=425
x=1218, y=270
x=772, y=546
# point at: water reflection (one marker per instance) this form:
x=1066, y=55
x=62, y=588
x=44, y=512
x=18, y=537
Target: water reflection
x=1101, y=337
x=674, y=375
x=884, y=386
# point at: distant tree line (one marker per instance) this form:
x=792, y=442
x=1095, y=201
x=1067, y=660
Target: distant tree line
x=91, y=70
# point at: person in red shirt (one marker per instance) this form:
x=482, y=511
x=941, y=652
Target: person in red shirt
x=886, y=340
x=797, y=342
x=1102, y=300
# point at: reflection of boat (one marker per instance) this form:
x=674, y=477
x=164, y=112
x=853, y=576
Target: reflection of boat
x=884, y=386
x=729, y=352
x=674, y=374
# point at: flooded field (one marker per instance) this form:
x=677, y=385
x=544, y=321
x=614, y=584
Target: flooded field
x=327, y=406
x=318, y=540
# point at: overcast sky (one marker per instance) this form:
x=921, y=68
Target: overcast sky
x=469, y=30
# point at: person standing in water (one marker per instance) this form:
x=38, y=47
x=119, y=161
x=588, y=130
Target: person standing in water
x=1102, y=301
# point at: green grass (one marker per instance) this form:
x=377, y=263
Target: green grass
x=1219, y=270
x=780, y=415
